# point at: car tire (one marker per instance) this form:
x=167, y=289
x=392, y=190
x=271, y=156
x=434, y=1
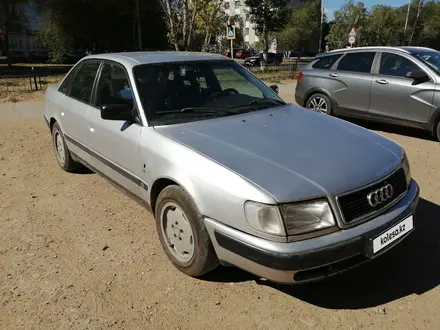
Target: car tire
x=437, y=131
x=320, y=103
x=62, y=153
x=181, y=228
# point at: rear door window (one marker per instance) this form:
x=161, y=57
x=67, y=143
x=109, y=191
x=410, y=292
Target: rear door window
x=326, y=62
x=357, y=62
x=82, y=84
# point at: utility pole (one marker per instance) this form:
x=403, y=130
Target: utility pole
x=322, y=20
x=139, y=35
x=407, y=16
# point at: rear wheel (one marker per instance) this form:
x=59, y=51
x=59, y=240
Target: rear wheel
x=62, y=153
x=320, y=103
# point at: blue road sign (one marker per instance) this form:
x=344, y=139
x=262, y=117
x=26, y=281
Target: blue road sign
x=230, y=32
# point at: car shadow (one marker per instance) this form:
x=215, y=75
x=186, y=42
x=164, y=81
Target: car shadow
x=83, y=170
x=228, y=275
x=412, y=267
x=395, y=129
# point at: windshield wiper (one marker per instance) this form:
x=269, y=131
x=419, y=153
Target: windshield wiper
x=259, y=102
x=196, y=110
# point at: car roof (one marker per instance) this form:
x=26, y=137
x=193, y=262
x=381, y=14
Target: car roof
x=405, y=49
x=131, y=59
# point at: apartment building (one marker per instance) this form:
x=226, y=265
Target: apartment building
x=25, y=36
x=238, y=7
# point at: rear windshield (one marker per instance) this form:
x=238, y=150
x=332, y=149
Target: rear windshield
x=326, y=62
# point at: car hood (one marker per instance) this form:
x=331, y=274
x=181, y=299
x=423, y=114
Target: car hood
x=290, y=152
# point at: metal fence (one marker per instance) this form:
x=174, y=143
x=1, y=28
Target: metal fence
x=26, y=79
x=286, y=70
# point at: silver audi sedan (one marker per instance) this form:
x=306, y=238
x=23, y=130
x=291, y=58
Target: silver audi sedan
x=233, y=174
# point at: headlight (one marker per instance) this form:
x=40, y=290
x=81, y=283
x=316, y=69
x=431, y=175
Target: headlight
x=264, y=218
x=307, y=217
x=405, y=164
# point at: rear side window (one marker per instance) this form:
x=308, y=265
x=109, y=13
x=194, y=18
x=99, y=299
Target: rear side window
x=82, y=84
x=326, y=62
x=65, y=86
x=357, y=62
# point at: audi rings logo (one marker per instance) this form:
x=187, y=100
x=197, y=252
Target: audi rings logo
x=380, y=195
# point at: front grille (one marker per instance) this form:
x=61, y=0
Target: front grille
x=355, y=206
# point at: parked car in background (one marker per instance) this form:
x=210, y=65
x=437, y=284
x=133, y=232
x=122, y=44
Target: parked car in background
x=273, y=59
x=74, y=55
x=233, y=174
x=18, y=56
x=39, y=56
x=239, y=53
x=397, y=85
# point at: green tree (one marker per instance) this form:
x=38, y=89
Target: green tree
x=383, y=27
x=430, y=27
x=53, y=37
x=269, y=17
x=351, y=14
x=211, y=22
x=181, y=18
x=303, y=28
x=102, y=24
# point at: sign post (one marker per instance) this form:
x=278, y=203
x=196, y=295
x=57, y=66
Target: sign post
x=352, y=37
x=230, y=35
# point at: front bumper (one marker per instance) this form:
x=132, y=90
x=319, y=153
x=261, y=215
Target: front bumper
x=311, y=259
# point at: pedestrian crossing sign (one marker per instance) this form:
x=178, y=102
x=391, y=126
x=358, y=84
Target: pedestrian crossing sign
x=230, y=32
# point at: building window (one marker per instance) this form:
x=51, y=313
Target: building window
x=246, y=32
x=237, y=4
x=227, y=5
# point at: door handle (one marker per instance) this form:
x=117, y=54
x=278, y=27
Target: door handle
x=334, y=75
x=382, y=81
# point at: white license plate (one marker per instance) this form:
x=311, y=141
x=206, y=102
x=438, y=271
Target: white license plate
x=393, y=234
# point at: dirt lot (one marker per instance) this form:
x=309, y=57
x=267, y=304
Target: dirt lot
x=75, y=253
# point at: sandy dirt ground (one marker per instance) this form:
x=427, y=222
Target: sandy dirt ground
x=75, y=253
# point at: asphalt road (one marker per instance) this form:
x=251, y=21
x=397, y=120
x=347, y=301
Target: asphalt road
x=75, y=253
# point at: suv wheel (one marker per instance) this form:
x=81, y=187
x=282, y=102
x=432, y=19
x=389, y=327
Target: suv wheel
x=320, y=103
x=437, y=131
x=182, y=233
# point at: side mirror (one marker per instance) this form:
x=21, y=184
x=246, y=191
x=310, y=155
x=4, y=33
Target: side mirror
x=417, y=75
x=275, y=88
x=116, y=112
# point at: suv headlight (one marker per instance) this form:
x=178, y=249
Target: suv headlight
x=264, y=218
x=303, y=218
x=407, y=169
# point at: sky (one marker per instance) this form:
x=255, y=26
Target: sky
x=332, y=5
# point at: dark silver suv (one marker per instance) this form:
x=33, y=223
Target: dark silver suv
x=387, y=84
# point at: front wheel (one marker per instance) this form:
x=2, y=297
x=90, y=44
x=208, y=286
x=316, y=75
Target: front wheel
x=62, y=153
x=320, y=103
x=182, y=233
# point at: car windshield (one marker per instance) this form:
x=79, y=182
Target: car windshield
x=173, y=93
x=430, y=58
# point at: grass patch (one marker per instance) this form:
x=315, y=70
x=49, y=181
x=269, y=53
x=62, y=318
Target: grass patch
x=26, y=84
x=276, y=75
x=37, y=65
